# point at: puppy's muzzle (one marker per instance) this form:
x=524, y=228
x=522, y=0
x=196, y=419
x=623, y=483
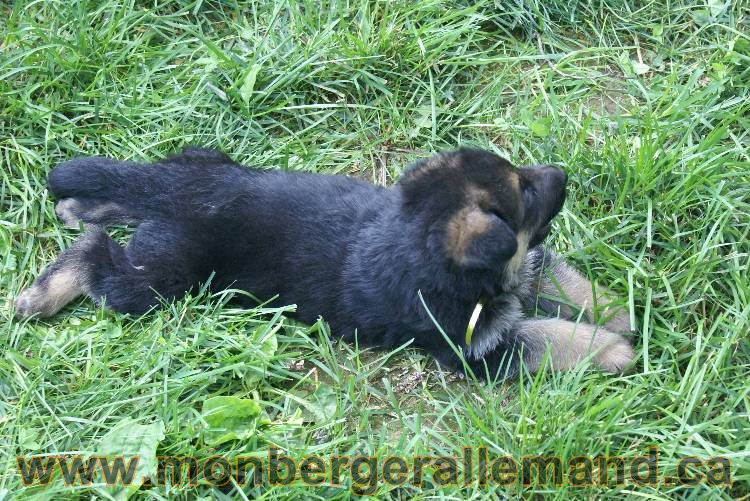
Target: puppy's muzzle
x=549, y=183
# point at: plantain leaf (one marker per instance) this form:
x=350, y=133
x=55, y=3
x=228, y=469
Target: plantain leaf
x=246, y=91
x=229, y=418
x=129, y=439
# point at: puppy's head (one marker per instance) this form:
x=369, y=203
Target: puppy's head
x=482, y=213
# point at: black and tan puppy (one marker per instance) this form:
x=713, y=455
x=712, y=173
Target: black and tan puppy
x=461, y=227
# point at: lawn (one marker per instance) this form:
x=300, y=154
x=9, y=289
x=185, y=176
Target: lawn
x=645, y=104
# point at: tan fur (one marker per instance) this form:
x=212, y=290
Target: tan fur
x=69, y=211
x=515, y=182
x=570, y=343
x=477, y=197
x=571, y=286
x=466, y=225
x=66, y=211
x=50, y=296
x=513, y=268
x=61, y=282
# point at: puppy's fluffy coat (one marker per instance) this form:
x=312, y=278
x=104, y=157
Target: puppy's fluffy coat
x=461, y=227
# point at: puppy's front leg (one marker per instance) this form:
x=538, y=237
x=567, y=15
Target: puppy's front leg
x=570, y=343
x=557, y=279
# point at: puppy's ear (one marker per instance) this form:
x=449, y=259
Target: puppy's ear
x=478, y=240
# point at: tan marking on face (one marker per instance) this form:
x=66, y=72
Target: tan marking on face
x=570, y=343
x=513, y=268
x=465, y=226
x=478, y=197
x=510, y=187
x=515, y=181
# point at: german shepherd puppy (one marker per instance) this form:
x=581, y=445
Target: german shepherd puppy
x=462, y=227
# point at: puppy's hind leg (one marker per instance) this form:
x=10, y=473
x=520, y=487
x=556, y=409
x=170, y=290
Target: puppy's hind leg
x=73, y=211
x=127, y=279
x=103, y=191
x=95, y=190
x=62, y=281
x=159, y=262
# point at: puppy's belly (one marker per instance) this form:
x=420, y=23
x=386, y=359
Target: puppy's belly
x=310, y=304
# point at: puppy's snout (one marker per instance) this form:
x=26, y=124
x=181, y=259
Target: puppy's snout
x=550, y=180
x=558, y=174
x=550, y=175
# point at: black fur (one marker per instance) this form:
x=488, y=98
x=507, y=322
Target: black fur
x=354, y=253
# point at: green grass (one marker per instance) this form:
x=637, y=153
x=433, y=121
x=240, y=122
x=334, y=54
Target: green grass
x=647, y=106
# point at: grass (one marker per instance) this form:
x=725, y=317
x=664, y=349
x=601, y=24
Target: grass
x=644, y=103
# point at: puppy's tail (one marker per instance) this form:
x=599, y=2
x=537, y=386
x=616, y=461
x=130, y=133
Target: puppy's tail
x=101, y=190
x=105, y=178
x=94, y=177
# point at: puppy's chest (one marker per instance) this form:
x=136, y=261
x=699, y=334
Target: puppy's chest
x=496, y=322
x=499, y=315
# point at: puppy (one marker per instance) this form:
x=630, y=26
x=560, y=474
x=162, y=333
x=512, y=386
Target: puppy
x=461, y=228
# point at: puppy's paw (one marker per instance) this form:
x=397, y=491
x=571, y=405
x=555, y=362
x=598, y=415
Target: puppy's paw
x=616, y=319
x=30, y=302
x=609, y=312
x=67, y=211
x=616, y=356
x=50, y=292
